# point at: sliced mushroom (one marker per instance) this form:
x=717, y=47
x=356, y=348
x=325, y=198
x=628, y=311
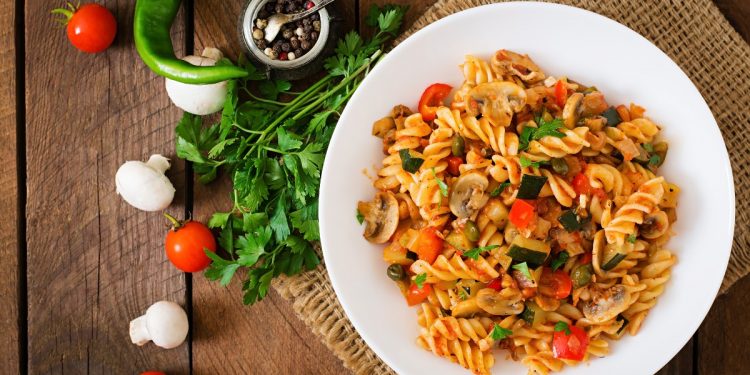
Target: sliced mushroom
x=381, y=127
x=381, y=217
x=504, y=302
x=654, y=225
x=468, y=194
x=547, y=303
x=506, y=63
x=572, y=110
x=497, y=101
x=606, y=304
x=466, y=308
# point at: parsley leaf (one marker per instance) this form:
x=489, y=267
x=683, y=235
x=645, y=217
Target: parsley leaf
x=420, y=279
x=526, y=162
x=441, y=184
x=360, y=218
x=562, y=327
x=463, y=294
x=654, y=160
x=543, y=129
x=648, y=147
x=560, y=260
x=499, y=333
x=523, y=268
x=500, y=189
x=409, y=163
x=632, y=238
x=474, y=253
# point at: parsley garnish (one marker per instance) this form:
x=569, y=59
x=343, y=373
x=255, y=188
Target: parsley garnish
x=499, y=333
x=523, y=268
x=526, y=162
x=420, y=279
x=562, y=327
x=272, y=146
x=500, y=189
x=560, y=260
x=409, y=163
x=631, y=238
x=474, y=253
x=543, y=129
x=463, y=293
x=360, y=217
x=648, y=147
x=441, y=184
x=654, y=160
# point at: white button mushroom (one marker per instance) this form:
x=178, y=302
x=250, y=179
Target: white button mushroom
x=144, y=185
x=199, y=99
x=165, y=323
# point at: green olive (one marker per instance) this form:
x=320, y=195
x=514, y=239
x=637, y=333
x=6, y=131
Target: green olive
x=471, y=231
x=457, y=147
x=560, y=166
x=395, y=272
x=581, y=275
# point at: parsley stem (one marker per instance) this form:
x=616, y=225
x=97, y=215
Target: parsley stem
x=267, y=101
x=273, y=150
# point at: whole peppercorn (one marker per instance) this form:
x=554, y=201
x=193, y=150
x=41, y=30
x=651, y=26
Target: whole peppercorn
x=294, y=42
x=298, y=52
x=303, y=37
x=315, y=17
x=291, y=56
x=277, y=47
x=283, y=56
x=299, y=31
x=305, y=45
x=278, y=8
x=261, y=23
x=285, y=47
x=261, y=43
x=314, y=36
x=305, y=21
x=287, y=33
x=316, y=25
x=273, y=55
x=257, y=33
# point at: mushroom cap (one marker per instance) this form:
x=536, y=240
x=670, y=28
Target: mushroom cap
x=572, y=110
x=144, y=185
x=468, y=194
x=606, y=304
x=497, y=101
x=167, y=323
x=381, y=217
x=504, y=302
x=197, y=99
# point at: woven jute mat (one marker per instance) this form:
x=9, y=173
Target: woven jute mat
x=696, y=36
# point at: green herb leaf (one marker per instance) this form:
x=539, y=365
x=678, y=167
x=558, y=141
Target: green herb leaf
x=463, y=294
x=218, y=219
x=499, y=189
x=409, y=163
x=499, y=333
x=560, y=260
x=420, y=279
x=631, y=238
x=562, y=327
x=648, y=147
x=526, y=162
x=441, y=184
x=543, y=129
x=654, y=160
x=474, y=253
x=360, y=218
x=523, y=268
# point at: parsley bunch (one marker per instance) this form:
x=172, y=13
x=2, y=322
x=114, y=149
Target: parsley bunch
x=274, y=150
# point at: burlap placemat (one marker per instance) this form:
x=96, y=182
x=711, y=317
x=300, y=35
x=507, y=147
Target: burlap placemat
x=695, y=35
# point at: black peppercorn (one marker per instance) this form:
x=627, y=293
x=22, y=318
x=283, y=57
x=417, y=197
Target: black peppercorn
x=261, y=43
x=294, y=42
x=287, y=33
x=305, y=45
x=285, y=47
x=277, y=47
x=303, y=37
x=314, y=36
x=306, y=21
x=298, y=52
x=315, y=17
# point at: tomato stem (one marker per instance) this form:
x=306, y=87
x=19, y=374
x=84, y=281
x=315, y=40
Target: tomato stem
x=66, y=14
x=176, y=224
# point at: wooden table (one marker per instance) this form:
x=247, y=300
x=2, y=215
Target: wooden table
x=79, y=263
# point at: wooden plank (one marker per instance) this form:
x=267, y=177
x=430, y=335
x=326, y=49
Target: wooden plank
x=9, y=288
x=94, y=262
x=416, y=9
x=724, y=335
x=738, y=14
x=266, y=338
x=682, y=363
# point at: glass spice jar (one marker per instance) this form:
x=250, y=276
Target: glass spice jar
x=300, y=48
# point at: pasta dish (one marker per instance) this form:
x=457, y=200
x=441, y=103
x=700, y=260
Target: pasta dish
x=522, y=211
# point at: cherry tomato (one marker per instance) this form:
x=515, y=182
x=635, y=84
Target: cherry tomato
x=495, y=284
x=581, y=184
x=429, y=244
x=453, y=163
x=555, y=284
x=561, y=93
x=522, y=213
x=91, y=28
x=185, y=245
x=415, y=295
x=431, y=98
x=570, y=346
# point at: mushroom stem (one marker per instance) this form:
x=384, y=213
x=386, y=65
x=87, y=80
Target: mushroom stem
x=158, y=162
x=139, y=334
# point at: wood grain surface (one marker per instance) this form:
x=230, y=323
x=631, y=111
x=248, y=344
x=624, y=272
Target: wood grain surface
x=90, y=263
x=9, y=226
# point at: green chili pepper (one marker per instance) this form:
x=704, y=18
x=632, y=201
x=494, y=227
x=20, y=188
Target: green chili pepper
x=151, y=24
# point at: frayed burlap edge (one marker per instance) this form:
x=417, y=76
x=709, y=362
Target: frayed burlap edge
x=695, y=35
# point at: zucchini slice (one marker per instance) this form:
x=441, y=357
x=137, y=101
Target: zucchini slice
x=528, y=250
x=530, y=186
x=569, y=221
x=613, y=118
x=613, y=262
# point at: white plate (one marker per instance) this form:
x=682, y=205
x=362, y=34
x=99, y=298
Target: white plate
x=563, y=41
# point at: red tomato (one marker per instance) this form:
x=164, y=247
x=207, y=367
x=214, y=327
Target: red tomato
x=572, y=346
x=581, y=184
x=153, y=373
x=522, y=213
x=586, y=258
x=185, y=245
x=431, y=98
x=453, y=163
x=561, y=93
x=91, y=28
x=429, y=244
x=415, y=296
x=495, y=284
x=555, y=284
